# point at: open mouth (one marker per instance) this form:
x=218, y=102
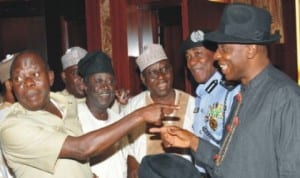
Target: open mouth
x=103, y=94
x=162, y=85
x=31, y=94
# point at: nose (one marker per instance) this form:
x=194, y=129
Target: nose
x=217, y=55
x=160, y=75
x=29, y=82
x=102, y=86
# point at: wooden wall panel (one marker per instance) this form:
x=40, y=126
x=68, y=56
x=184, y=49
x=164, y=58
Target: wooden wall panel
x=19, y=33
x=120, y=58
x=92, y=16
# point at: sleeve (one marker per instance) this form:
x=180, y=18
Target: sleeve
x=189, y=116
x=26, y=143
x=205, y=154
x=287, y=135
x=138, y=145
x=124, y=147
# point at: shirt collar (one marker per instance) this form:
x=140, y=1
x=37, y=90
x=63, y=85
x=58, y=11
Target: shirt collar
x=257, y=80
x=201, y=89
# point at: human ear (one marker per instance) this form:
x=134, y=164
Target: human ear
x=63, y=76
x=143, y=79
x=51, y=77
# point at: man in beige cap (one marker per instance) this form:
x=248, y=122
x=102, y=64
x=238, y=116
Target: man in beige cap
x=72, y=81
x=157, y=75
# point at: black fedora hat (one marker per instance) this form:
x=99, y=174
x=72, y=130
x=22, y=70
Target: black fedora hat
x=244, y=24
x=167, y=166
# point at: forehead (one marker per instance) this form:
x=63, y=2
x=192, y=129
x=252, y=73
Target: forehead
x=71, y=68
x=229, y=45
x=158, y=64
x=28, y=60
x=101, y=75
x=197, y=48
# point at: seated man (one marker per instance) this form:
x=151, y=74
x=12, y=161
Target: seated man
x=100, y=85
x=41, y=135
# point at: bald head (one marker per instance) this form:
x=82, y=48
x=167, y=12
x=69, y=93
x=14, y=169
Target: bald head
x=29, y=54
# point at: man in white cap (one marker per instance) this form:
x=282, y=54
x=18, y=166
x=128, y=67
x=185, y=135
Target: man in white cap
x=72, y=81
x=8, y=99
x=157, y=75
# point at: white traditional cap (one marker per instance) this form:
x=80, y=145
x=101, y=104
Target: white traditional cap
x=151, y=54
x=72, y=56
x=5, y=67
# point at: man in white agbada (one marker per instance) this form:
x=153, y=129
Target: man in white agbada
x=8, y=99
x=157, y=75
x=98, y=76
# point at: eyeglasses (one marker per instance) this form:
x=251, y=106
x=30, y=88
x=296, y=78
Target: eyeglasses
x=155, y=73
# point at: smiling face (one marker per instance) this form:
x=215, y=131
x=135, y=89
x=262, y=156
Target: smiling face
x=31, y=81
x=232, y=59
x=200, y=62
x=158, y=78
x=100, y=90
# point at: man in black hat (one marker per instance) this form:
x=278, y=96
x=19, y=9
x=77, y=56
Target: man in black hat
x=100, y=85
x=262, y=137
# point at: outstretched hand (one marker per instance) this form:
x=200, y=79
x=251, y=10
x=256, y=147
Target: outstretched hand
x=173, y=136
x=154, y=113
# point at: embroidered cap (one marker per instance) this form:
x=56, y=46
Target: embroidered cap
x=151, y=54
x=72, y=56
x=5, y=65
